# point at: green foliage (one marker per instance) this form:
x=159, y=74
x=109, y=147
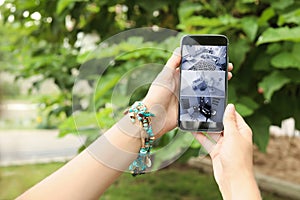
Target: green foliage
x=272, y=82
x=279, y=34
x=264, y=45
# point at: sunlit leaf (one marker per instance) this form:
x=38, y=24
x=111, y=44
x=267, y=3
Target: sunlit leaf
x=105, y=85
x=286, y=60
x=63, y=4
x=291, y=17
x=266, y=15
x=244, y=110
x=279, y=34
x=203, y=21
x=272, y=83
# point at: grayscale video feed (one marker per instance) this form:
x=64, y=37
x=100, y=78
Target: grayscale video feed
x=202, y=90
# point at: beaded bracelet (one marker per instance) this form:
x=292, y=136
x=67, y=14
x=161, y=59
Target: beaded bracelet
x=139, y=111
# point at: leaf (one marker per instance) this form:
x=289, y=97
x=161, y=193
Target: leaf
x=187, y=9
x=105, y=84
x=243, y=109
x=249, y=102
x=288, y=57
x=105, y=118
x=260, y=127
x=285, y=60
x=244, y=6
x=272, y=83
x=250, y=27
x=282, y=4
x=279, y=34
x=273, y=48
x=266, y=15
x=248, y=1
x=93, y=8
x=63, y=4
x=237, y=52
x=291, y=17
x=203, y=21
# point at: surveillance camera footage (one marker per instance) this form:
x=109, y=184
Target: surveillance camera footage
x=203, y=83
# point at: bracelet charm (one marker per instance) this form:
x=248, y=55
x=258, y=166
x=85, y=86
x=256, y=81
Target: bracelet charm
x=138, y=111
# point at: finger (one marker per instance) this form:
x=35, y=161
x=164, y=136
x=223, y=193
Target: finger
x=230, y=67
x=229, y=121
x=174, y=60
x=243, y=127
x=229, y=75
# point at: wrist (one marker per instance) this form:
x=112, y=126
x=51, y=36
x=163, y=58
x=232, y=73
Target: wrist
x=244, y=186
x=126, y=137
x=160, y=120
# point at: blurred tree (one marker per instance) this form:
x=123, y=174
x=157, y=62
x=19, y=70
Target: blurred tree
x=50, y=33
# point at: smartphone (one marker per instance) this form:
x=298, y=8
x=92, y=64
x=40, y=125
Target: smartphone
x=203, y=82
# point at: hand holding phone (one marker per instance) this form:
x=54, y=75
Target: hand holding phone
x=203, y=82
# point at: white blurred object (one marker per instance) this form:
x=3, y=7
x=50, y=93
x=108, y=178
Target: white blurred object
x=287, y=128
x=276, y=130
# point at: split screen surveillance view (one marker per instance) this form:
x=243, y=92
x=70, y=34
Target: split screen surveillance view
x=202, y=95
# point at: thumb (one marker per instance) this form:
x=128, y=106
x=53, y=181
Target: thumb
x=174, y=61
x=229, y=120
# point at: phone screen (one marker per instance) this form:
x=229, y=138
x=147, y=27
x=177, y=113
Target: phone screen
x=203, y=83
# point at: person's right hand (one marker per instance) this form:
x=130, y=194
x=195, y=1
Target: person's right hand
x=232, y=157
x=162, y=97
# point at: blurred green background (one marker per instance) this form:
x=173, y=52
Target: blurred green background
x=50, y=40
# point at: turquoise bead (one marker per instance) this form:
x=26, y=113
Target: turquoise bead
x=143, y=151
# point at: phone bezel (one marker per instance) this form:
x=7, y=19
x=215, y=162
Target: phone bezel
x=212, y=40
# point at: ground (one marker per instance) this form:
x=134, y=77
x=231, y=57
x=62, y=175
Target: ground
x=282, y=159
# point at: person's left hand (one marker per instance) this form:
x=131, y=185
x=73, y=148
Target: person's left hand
x=162, y=97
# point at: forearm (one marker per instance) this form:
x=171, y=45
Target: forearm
x=88, y=175
x=244, y=186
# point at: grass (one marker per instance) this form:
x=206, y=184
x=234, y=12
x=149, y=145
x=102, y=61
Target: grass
x=175, y=182
x=14, y=180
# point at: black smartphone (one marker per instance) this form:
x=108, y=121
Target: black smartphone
x=203, y=82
